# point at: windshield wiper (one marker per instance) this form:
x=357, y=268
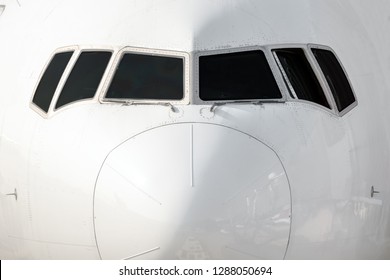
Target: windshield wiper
x=133, y=102
x=217, y=104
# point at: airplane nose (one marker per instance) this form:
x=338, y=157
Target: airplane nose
x=192, y=191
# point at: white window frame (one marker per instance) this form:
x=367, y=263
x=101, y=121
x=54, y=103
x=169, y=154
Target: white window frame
x=67, y=73
x=156, y=52
x=191, y=77
x=318, y=67
x=271, y=62
x=35, y=107
x=77, y=50
x=317, y=72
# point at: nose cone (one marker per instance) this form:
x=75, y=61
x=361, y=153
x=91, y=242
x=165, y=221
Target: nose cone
x=192, y=191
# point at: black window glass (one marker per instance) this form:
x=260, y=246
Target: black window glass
x=141, y=76
x=85, y=77
x=336, y=78
x=50, y=79
x=237, y=76
x=301, y=76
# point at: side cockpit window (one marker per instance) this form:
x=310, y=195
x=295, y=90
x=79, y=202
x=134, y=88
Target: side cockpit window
x=84, y=78
x=67, y=80
x=50, y=79
x=314, y=73
x=299, y=76
x=335, y=77
x=237, y=76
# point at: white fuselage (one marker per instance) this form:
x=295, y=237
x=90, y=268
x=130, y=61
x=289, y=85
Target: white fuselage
x=198, y=180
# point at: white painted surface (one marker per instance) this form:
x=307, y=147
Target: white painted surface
x=221, y=196
x=331, y=162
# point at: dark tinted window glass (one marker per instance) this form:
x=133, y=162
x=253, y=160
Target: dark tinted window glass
x=85, y=77
x=236, y=76
x=336, y=78
x=140, y=76
x=50, y=79
x=301, y=76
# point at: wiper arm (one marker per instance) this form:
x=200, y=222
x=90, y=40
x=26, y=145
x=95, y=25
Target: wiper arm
x=169, y=104
x=217, y=104
x=132, y=102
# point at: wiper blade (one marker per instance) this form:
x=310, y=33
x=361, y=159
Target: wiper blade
x=217, y=104
x=133, y=102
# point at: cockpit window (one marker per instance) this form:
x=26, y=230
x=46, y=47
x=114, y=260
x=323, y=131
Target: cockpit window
x=146, y=76
x=336, y=78
x=50, y=79
x=302, y=82
x=85, y=77
x=236, y=76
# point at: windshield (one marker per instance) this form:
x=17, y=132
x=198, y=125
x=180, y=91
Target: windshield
x=237, y=76
x=141, y=76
